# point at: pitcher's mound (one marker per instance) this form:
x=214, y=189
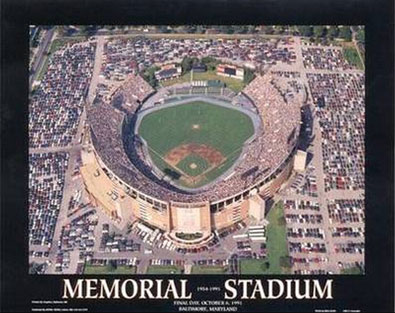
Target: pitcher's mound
x=193, y=166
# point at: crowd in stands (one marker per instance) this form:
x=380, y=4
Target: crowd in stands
x=56, y=105
x=324, y=59
x=280, y=123
x=340, y=108
x=125, y=55
x=46, y=182
x=136, y=90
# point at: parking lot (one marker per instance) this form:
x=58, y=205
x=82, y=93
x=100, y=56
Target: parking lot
x=323, y=205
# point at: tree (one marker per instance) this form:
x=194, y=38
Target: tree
x=163, y=29
x=210, y=62
x=281, y=221
x=319, y=31
x=230, y=30
x=149, y=75
x=345, y=33
x=251, y=29
x=112, y=265
x=62, y=30
x=36, y=268
x=361, y=36
x=200, y=29
x=280, y=30
x=89, y=30
x=227, y=29
x=285, y=261
x=306, y=31
x=267, y=30
x=191, y=29
x=186, y=64
x=248, y=75
x=333, y=31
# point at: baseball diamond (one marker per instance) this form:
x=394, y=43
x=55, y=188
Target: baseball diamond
x=207, y=136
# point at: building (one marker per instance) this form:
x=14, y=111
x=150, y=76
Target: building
x=168, y=71
x=257, y=207
x=199, y=68
x=300, y=161
x=229, y=70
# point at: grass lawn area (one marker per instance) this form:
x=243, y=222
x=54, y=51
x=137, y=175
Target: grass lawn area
x=232, y=83
x=352, y=56
x=276, y=246
x=201, y=269
x=163, y=269
x=60, y=42
x=253, y=267
x=351, y=271
x=108, y=270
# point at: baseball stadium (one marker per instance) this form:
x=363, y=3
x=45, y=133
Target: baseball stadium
x=191, y=157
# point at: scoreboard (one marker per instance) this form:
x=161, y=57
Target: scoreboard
x=230, y=70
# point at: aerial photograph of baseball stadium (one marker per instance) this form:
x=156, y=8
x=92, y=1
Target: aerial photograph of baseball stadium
x=197, y=149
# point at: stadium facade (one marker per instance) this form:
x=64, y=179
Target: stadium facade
x=120, y=180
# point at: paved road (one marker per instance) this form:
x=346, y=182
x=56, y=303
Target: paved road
x=41, y=55
x=355, y=42
x=96, y=68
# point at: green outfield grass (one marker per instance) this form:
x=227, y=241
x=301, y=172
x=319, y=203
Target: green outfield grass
x=198, y=122
x=163, y=269
x=204, y=270
x=108, y=270
x=277, y=247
